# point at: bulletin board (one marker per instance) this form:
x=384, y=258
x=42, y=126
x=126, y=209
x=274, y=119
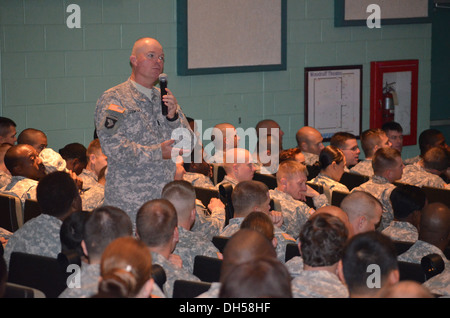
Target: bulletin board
x=228, y=36
x=354, y=12
x=333, y=99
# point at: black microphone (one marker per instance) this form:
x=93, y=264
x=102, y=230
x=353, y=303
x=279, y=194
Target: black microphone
x=163, y=86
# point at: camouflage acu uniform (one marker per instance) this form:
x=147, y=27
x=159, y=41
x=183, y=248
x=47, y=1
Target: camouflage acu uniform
x=52, y=161
x=208, y=225
x=39, y=236
x=89, y=178
x=199, y=180
x=324, y=180
x=412, y=160
x=172, y=273
x=191, y=244
x=93, y=197
x=5, y=179
x=401, y=231
x=295, y=213
x=381, y=189
x=420, y=249
x=310, y=158
x=439, y=284
x=318, y=284
x=23, y=188
x=295, y=266
x=416, y=175
x=131, y=128
x=364, y=167
x=212, y=292
x=229, y=180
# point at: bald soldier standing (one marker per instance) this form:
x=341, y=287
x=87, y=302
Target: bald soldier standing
x=135, y=136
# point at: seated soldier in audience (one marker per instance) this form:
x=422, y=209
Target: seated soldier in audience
x=291, y=189
x=261, y=278
x=295, y=264
x=75, y=156
x=26, y=169
x=95, y=196
x=157, y=227
x=224, y=137
x=96, y=160
x=269, y=127
x=267, y=155
x=394, y=132
x=407, y=204
x=261, y=222
x=427, y=171
x=58, y=197
x=5, y=175
x=309, y=141
x=332, y=164
x=190, y=244
x=371, y=141
x=33, y=137
x=388, y=167
x=364, y=255
x=348, y=144
x=244, y=246
x=7, y=131
x=71, y=236
x=209, y=221
x=199, y=174
x=251, y=196
x=322, y=240
x=429, y=138
x=292, y=154
x=239, y=166
x=364, y=211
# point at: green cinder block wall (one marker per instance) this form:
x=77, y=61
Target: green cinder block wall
x=52, y=76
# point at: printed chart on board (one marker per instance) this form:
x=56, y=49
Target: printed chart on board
x=334, y=100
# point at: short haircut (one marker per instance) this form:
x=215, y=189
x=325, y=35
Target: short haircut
x=105, y=224
x=56, y=192
x=384, y=158
x=392, y=126
x=366, y=249
x=72, y=231
x=181, y=194
x=406, y=199
x=359, y=203
x=428, y=138
x=436, y=158
x=369, y=139
x=5, y=124
x=322, y=240
x=74, y=151
x=246, y=195
x=289, y=168
x=93, y=148
x=260, y=278
x=156, y=221
x=289, y=154
x=27, y=136
x=330, y=154
x=261, y=222
x=338, y=139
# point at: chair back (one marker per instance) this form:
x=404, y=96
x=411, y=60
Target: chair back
x=432, y=265
x=437, y=195
x=220, y=242
x=267, y=179
x=207, y=269
x=411, y=271
x=291, y=251
x=189, y=289
x=31, y=210
x=205, y=194
x=353, y=180
x=159, y=275
x=337, y=197
x=11, y=216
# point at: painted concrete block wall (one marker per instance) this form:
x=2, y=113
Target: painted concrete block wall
x=52, y=76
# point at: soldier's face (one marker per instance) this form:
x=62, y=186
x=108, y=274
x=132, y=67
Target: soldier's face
x=149, y=60
x=296, y=185
x=31, y=165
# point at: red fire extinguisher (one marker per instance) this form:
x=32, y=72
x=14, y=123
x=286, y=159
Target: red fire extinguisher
x=388, y=103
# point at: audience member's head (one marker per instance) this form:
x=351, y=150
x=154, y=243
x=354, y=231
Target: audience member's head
x=125, y=270
x=105, y=224
x=71, y=233
x=394, y=132
x=156, y=225
x=182, y=196
x=243, y=246
x=269, y=127
x=75, y=156
x=434, y=225
x=58, y=195
x=95, y=156
x=364, y=211
x=349, y=146
x=309, y=140
x=369, y=264
x=261, y=222
x=388, y=163
x=249, y=196
x=407, y=203
x=291, y=178
x=339, y=213
x=292, y=154
x=23, y=160
x=431, y=138
x=239, y=164
x=3, y=149
x=332, y=162
x=322, y=240
x=372, y=140
x=33, y=137
x=435, y=160
x=263, y=277
x=224, y=137
x=7, y=131
x=406, y=289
